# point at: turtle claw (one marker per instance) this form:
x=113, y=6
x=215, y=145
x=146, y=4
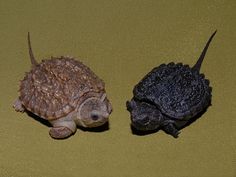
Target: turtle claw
x=170, y=129
x=17, y=105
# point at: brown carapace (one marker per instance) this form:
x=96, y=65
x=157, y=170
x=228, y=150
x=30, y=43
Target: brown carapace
x=65, y=92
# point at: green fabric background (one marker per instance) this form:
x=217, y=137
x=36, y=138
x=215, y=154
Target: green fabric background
x=121, y=40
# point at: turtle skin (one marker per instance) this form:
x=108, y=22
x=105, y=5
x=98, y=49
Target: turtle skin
x=53, y=88
x=177, y=90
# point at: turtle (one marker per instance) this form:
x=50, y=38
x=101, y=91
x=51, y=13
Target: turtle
x=170, y=97
x=65, y=92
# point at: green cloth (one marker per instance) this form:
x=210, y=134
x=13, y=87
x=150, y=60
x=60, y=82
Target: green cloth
x=120, y=41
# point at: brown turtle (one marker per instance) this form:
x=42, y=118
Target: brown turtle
x=65, y=92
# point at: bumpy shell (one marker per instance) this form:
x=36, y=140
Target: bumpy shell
x=177, y=90
x=52, y=88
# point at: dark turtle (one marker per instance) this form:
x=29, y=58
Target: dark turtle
x=170, y=97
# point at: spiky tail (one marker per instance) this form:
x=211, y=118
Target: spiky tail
x=32, y=59
x=197, y=66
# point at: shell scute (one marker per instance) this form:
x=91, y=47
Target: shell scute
x=177, y=90
x=52, y=88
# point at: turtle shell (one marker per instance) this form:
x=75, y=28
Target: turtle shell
x=177, y=90
x=52, y=88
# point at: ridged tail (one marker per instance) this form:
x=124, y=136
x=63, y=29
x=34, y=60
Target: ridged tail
x=197, y=66
x=32, y=59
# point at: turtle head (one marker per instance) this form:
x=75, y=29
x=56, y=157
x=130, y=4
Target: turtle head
x=144, y=116
x=94, y=111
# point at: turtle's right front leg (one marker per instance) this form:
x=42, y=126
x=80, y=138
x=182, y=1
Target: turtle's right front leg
x=170, y=128
x=17, y=105
x=62, y=128
x=60, y=132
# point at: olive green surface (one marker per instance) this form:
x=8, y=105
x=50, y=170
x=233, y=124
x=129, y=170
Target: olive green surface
x=121, y=40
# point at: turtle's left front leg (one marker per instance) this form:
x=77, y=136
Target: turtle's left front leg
x=18, y=106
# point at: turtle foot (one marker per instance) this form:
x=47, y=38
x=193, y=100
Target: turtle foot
x=17, y=105
x=171, y=129
x=60, y=132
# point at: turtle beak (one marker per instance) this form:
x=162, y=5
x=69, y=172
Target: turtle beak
x=109, y=108
x=128, y=105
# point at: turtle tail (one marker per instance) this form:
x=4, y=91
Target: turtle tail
x=197, y=66
x=32, y=59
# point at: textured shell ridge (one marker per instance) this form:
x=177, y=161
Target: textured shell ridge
x=52, y=88
x=177, y=90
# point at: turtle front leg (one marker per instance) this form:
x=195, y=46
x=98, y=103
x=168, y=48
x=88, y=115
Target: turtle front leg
x=17, y=105
x=60, y=132
x=169, y=128
x=62, y=129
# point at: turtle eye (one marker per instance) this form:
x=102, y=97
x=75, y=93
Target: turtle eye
x=145, y=120
x=94, y=116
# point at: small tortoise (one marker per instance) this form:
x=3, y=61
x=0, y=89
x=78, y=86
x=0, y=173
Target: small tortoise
x=170, y=97
x=65, y=92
